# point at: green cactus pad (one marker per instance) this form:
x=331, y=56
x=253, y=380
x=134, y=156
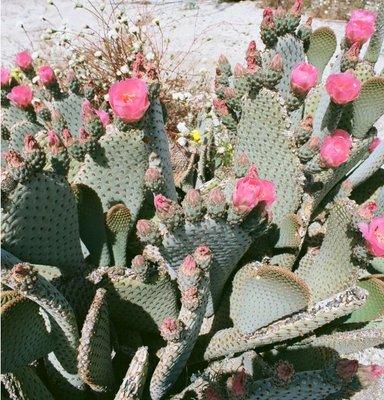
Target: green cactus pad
x=261, y=138
x=306, y=385
x=227, y=243
x=40, y=223
x=19, y=131
x=11, y=115
x=257, y=293
x=25, y=333
x=25, y=384
x=118, y=221
x=368, y=107
x=158, y=144
x=376, y=42
x=378, y=264
x=142, y=306
x=133, y=384
x=364, y=71
x=292, y=51
x=61, y=364
x=231, y=340
x=322, y=45
x=70, y=109
x=94, y=356
x=91, y=224
x=175, y=355
x=116, y=171
x=332, y=270
x=348, y=342
x=289, y=232
x=374, y=306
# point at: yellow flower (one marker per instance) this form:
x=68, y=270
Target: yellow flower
x=196, y=135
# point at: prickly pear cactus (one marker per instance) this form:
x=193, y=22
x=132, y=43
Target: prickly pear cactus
x=258, y=278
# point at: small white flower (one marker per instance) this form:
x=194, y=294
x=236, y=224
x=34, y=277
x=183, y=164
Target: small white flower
x=98, y=54
x=106, y=97
x=133, y=29
x=182, y=141
x=112, y=34
x=35, y=55
x=124, y=69
x=221, y=150
x=50, y=2
x=44, y=36
x=118, y=73
x=35, y=79
x=181, y=127
x=136, y=46
x=156, y=21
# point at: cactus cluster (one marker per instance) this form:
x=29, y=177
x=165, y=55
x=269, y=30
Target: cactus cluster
x=260, y=281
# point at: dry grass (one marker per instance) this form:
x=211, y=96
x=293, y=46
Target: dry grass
x=106, y=51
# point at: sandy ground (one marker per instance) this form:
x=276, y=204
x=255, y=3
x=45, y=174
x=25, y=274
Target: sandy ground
x=204, y=32
x=197, y=34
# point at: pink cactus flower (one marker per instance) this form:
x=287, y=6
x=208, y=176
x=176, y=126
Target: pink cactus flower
x=189, y=266
x=143, y=227
x=370, y=373
x=373, y=233
x=375, y=142
x=222, y=59
x=129, y=99
x=13, y=159
x=193, y=197
x=216, y=196
x=67, y=137
x=87, y=110
x=104, y=117
x=367, y=210
x=203, y=250
x=303, y=78
x=276, y=63
x=336, y=148
x=284, y=370
x=360, y=27
x=239, y=70
x=152, y=175
x=170, y=328
x=364, y=15
x=191, y=295
x=53, y=139
x=220, y=107
x=24, y=60
x=347, y=369
x=296, y=8
x=236, y=384
x=162, y=204
x=268, y=12
x=46, y=75
x=251, y=190
x=343, y=87
x=138, y=261
x=211, y=394
x=83, y=135
x=5, y=78
x=21, y=96
x=30, y=144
